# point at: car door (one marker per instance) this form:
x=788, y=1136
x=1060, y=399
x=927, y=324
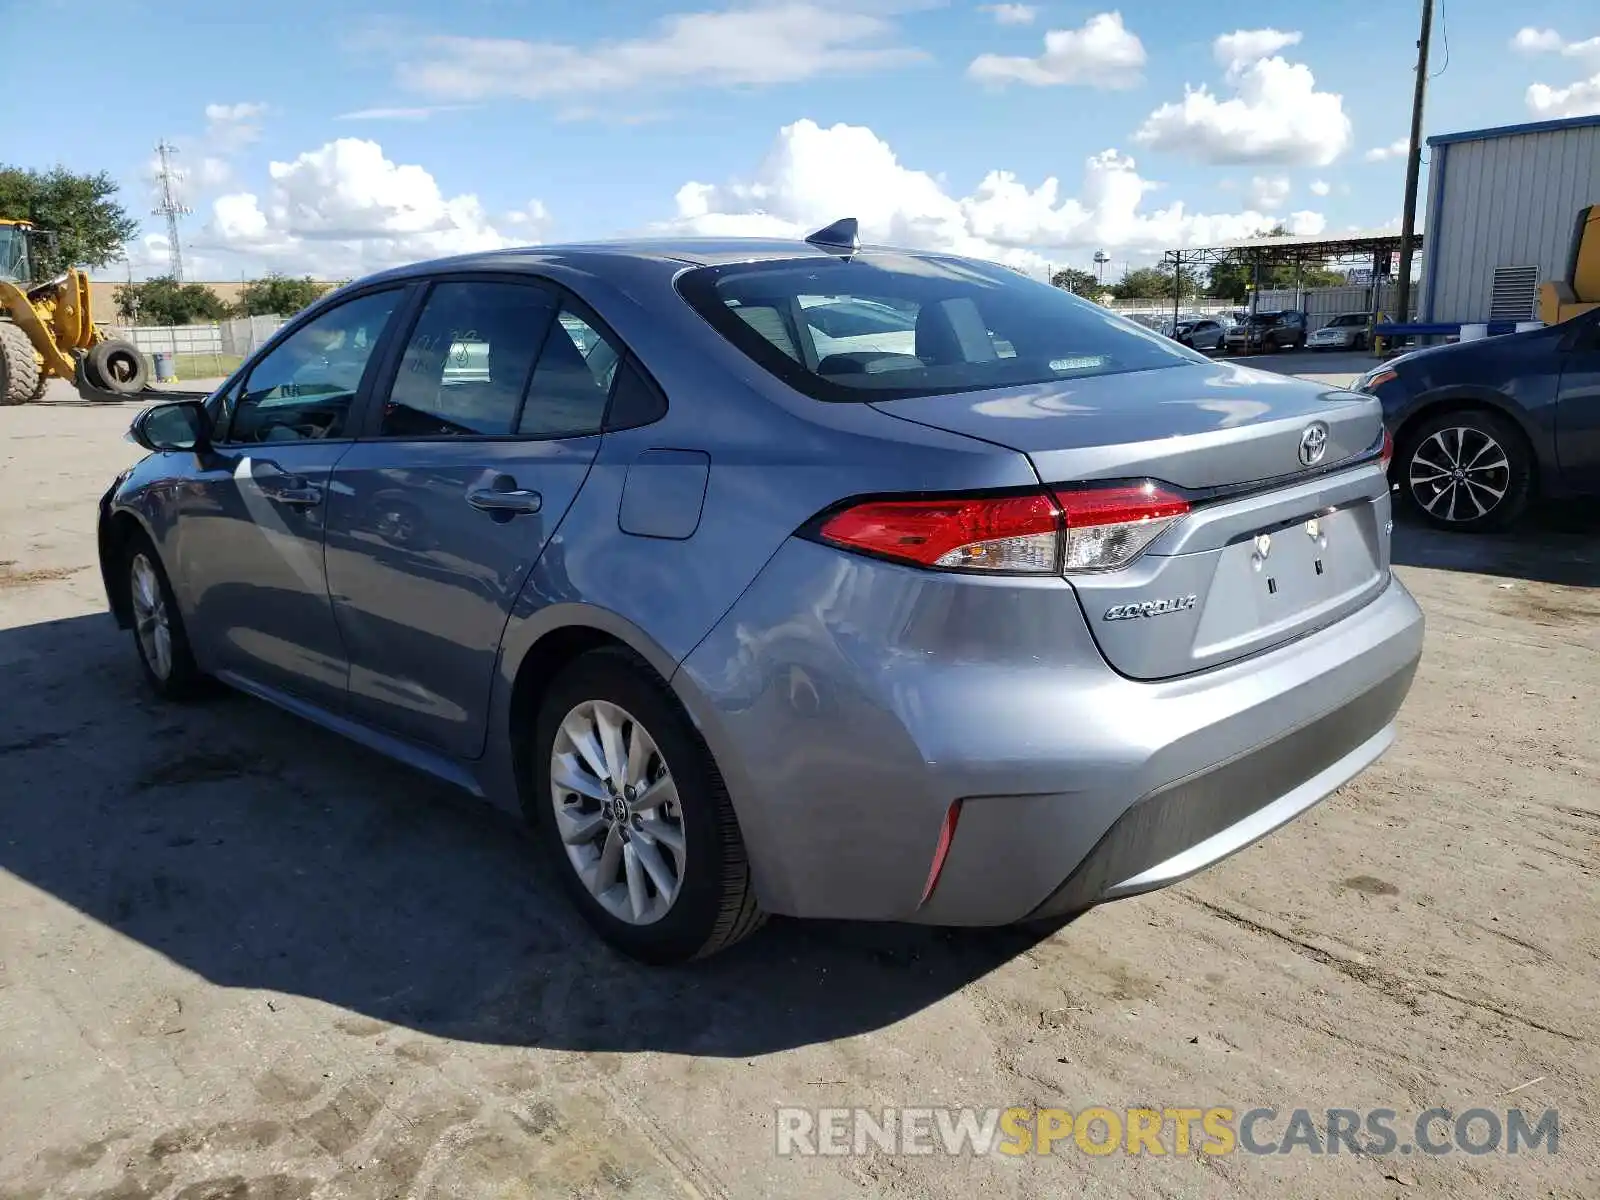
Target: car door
x=477, y=444
x=249, y=541
x=1578, y=407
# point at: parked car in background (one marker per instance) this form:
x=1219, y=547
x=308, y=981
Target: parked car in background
x=1348, y=331
x=1201, y=333
x=1481, y=427
x=1000, y=608
x=1268, y=331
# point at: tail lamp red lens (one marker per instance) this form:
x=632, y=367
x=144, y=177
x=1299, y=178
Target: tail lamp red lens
x=1033, y=533
x=1386, y=455
x=941, y=850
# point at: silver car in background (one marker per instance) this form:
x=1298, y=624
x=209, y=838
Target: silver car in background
x=1348, y=331
x=784, y=576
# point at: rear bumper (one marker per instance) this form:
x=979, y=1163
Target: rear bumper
x=850, y=703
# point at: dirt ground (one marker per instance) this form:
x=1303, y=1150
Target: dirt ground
x=241, y=958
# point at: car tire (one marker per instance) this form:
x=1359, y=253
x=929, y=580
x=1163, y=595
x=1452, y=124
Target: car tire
x=159, y=635
x=1453, y=464
x=613, y=862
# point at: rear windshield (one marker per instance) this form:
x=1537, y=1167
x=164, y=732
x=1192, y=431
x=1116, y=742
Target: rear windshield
x=884, y=326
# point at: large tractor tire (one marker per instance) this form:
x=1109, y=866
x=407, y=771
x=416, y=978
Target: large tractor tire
x=119, y=367
x=20, y=377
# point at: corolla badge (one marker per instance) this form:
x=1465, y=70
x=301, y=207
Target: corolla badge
x=1313, y=443
x=1150, y=608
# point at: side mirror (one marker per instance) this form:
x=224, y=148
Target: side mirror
x=180, y=425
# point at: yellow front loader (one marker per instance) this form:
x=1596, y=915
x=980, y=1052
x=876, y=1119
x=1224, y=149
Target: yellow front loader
x=46, y=331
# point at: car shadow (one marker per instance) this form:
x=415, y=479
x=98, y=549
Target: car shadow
x=1553, y=543
x=260, y=852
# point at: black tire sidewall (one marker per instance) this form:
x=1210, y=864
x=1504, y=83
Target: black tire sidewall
x=615, y=677
x=101, y=355
x=184, y=680
x=1511, y=441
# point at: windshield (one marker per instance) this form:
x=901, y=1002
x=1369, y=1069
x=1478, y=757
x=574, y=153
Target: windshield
x=883, y=326
x=1349, y=319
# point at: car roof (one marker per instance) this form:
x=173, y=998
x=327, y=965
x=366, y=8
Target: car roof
x=618, y=256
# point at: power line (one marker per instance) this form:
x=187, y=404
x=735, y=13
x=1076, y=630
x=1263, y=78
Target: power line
x=170, y=208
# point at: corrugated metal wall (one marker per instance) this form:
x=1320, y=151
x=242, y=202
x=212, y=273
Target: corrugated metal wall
x=1503, y=202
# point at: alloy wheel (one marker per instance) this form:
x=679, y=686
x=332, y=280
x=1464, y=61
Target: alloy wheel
x=617, y=812
x=151, y=623
x=1459, y=473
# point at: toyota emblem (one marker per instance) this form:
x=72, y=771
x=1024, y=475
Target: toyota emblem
x=1313, y=444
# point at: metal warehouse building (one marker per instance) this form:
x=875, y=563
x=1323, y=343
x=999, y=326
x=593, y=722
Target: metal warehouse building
x=1502, y=204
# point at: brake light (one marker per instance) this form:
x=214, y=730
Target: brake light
x=1038, y=533
x=970, y=533
x=1386, y=455
x=1109, y=527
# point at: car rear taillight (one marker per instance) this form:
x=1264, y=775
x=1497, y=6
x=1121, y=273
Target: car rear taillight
x=1033, y=533
x=1386, y=455
x=1009, y=534
x=1109, y=527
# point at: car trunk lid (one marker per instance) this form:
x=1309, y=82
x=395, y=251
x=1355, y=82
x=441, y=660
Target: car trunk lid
x=1275, y=546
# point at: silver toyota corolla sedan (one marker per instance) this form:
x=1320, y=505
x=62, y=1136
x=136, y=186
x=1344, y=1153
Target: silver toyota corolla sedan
x=785, y=577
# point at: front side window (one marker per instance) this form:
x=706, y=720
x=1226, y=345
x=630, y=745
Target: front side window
x=303, y=388
x=882, y=325
x=466, y=364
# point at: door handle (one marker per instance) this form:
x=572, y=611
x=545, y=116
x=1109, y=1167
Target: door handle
x=295, y=492
x=512, y=501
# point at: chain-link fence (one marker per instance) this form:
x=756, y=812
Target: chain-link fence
x=202, y=351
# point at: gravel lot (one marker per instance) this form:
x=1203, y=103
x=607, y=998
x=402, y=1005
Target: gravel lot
x=240, y=958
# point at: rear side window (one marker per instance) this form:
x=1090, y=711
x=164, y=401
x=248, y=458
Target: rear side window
x=572, y=382
x=881, y=326
x=467, y=362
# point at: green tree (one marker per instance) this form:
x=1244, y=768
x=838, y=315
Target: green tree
x=91, y=228
x=1079, y=283
x=163, y=301
x=279, y=295
x=1155, y=283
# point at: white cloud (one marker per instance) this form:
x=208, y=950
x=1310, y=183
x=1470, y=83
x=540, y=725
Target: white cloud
x=773, y=43
x=1320, y=187
x=232, y=127
x=1275, y=116
x=1536, y=41
x=1579, y=99
x=1012, y=14
x=1269, y=193
x=1102, y=54
x=1395, y=149
x=421, y=113
x=1548, y=41
x=1239, y=49
x=814, y=175
x=346, y=209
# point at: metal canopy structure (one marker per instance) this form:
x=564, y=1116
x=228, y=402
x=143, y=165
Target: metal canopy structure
x=1374, y=247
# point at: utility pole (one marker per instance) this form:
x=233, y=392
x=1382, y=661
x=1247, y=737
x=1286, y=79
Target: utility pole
x=170, y=208
x=1408, y=222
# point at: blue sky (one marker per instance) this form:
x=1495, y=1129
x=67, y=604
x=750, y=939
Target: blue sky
x=340, y=137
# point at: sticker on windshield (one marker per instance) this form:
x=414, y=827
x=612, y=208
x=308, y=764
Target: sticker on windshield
x=1086, y=362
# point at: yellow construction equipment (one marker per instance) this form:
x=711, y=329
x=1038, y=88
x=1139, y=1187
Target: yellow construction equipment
x=46, y=331
x=1562, y=299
